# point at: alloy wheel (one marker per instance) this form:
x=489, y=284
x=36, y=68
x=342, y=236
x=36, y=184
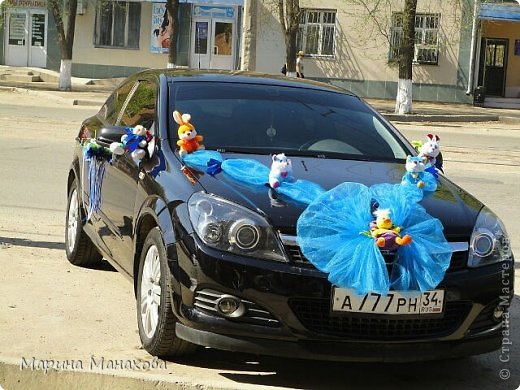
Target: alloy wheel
x=151, y=291
x=72, y=221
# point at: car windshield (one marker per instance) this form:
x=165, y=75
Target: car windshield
x=264, y=119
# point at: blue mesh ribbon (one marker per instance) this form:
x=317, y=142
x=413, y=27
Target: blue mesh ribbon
x=331, y=234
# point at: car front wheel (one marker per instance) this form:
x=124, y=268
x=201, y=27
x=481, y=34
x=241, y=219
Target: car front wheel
x=79, y=248
x=155, y=317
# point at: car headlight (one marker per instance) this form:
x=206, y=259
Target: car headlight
x=489, y=241
x=229, y=227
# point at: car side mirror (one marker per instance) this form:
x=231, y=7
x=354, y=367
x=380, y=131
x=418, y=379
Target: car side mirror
x=110, y=134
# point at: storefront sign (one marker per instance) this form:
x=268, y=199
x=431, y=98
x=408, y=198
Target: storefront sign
x=517, y=47
x=214, y=12
x=17, y=29
x=26, y=3
x=160, y=36
x=38, y=30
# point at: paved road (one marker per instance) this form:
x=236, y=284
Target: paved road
x=52, y=310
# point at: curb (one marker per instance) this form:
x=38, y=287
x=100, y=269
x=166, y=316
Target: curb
x=12, y=376
x=442, y=118
x=80, y=102
x=509, y=119
x=45, y=94
x=52, y=96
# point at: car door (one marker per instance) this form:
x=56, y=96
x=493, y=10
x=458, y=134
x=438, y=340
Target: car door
x=120, y=183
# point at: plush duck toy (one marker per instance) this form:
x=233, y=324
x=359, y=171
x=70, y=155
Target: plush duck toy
x=188, y=141
x=385, y=234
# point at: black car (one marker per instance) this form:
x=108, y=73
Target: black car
x=242, y=283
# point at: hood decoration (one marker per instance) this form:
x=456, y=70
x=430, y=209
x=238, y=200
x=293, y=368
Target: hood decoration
x=254, y=173
x=189, y=140
x=349, y=230
x=417, y=175
x=281, y=170
x=332, y=234
x=386, y=235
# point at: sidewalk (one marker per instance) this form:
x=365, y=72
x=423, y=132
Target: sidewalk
x=94, y=93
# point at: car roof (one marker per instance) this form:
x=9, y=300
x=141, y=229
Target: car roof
x=239, y=76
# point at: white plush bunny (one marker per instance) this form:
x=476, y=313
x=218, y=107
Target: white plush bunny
x=281, y=170
x=430, y=149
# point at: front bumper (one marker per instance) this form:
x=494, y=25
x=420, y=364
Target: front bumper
x=289, y=312
x=345, y=351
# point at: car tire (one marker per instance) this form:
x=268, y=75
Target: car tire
x=155, y=317
x=79, y=248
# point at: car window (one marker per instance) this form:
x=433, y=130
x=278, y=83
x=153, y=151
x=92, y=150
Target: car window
x=140, y=109
x=114, y=103
x=272, y=119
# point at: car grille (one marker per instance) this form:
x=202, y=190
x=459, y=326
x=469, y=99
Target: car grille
x=458, y=259
x=314, y=314
x=206, y=300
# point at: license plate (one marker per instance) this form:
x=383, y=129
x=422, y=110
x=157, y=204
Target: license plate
x=395, y=302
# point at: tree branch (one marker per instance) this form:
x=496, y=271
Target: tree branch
x=56, y=13
x=281, y=15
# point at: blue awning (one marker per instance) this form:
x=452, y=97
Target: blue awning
x=203, y=2
x=214, y=2
x=509, y=12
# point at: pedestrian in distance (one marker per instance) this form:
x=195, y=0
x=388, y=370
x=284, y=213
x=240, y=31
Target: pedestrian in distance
x=299, y=64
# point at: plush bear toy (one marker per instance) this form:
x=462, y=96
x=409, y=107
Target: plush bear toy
x=281, y=170
x=188, y=141
x=134, y=142
x=414, y=171
x=385, y=234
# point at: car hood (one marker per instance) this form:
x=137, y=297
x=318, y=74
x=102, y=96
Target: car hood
x=456, y=209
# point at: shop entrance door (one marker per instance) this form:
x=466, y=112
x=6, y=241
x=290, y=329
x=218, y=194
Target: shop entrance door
x=26, y=38
x=212, y=43
x=222, y=44
x=493, y=66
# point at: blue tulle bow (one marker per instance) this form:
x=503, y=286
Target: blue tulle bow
x=199, y=159
x=333, y=234
x=251, y=173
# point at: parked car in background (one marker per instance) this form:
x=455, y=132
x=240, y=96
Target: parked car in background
x=217, y=263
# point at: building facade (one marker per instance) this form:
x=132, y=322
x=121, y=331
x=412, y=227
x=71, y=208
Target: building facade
x=344, y=43
x=25, y=33
x=498, y=63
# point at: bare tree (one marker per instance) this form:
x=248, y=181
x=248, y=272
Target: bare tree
x=173, y=18
x=376, y=12
x=403, y=100
x=65, y=38
x=289, y=14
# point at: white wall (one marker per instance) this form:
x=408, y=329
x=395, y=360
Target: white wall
x=85, y=52
x=361, y=49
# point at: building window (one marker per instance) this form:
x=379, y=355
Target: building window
x=426, y=38
x=316, y=34
x=118, y=24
